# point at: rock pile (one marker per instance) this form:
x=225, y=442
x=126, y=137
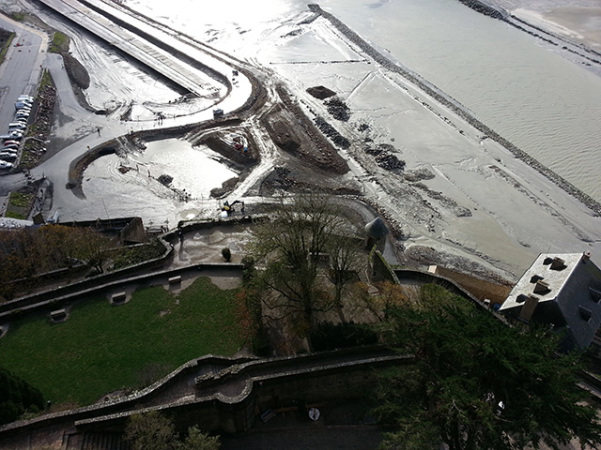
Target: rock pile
x=338, y=109
x=332, y=133
x=385, y=159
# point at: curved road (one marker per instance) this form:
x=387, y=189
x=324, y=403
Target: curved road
x=85, y=124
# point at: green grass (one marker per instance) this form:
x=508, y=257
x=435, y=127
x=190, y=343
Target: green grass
x=7, y=44
x=18, y=16
x=102, y=348
x=60, y=43
x=15, y=215
x=21, y=200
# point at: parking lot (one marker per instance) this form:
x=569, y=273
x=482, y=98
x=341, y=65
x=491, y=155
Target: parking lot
x=11, y=141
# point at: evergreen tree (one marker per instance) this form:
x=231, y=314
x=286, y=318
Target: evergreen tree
x=17, y=397
x=478, y=383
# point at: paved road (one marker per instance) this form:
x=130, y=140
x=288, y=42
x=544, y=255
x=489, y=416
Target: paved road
x=20, y=73
x=79, y=131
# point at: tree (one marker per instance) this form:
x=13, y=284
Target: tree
x=344, y=256
x=291, y=248
x=29, y=252
x=153, y=431
x=479, y=384
x=150, y=430
x=17, y=397
x=91, y=247
x=197, y=440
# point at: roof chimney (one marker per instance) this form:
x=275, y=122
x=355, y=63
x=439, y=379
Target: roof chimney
x=541, y=287
x=558, y=264
x=586, y=256
x=528, y=309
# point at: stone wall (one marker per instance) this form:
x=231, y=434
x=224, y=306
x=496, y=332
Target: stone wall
x=480, y=289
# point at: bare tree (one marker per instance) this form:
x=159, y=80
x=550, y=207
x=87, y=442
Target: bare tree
x=293, y=250
x=345, y=260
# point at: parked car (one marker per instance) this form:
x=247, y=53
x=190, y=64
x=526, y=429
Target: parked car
x=21, y=105
x=11, y=142
x=25, y=98
x=16, y=126
x=9, y=149
x=14, y=135
x=7, y=156
x=23, y=116
x=5, y=165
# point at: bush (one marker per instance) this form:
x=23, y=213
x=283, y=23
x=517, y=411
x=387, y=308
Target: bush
x=328, y=336
x=227, y=254
x=248, y=269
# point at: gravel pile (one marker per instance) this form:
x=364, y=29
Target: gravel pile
x=332, y=133
x=385, y=157
x=338, y=109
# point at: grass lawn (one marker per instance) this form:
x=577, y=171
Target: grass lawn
x=102, y=348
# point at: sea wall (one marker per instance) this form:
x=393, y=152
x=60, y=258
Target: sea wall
x=486, y=9
x=456, y=107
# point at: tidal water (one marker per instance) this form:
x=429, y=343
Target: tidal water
x=544, y=104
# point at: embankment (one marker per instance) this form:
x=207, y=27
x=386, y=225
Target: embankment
x=456, y=107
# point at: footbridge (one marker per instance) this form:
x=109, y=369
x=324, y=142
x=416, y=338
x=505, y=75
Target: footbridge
x=191, y=67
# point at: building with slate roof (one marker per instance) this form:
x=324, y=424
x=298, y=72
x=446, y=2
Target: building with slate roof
x=563, y=290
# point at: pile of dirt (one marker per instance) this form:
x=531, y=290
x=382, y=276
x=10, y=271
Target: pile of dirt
x=76, y=71
x=247, y=158
x=320, y=92
x=418, y=175
x=283, y=135
x=226, y=187
x=314, y=147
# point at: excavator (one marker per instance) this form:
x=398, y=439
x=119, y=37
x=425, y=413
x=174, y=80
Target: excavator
x=229, y=207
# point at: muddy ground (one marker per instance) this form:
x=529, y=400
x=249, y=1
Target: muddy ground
x=449, y=195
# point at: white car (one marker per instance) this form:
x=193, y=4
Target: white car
x=13, y=135
x=7, y=156
x=5, y=165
